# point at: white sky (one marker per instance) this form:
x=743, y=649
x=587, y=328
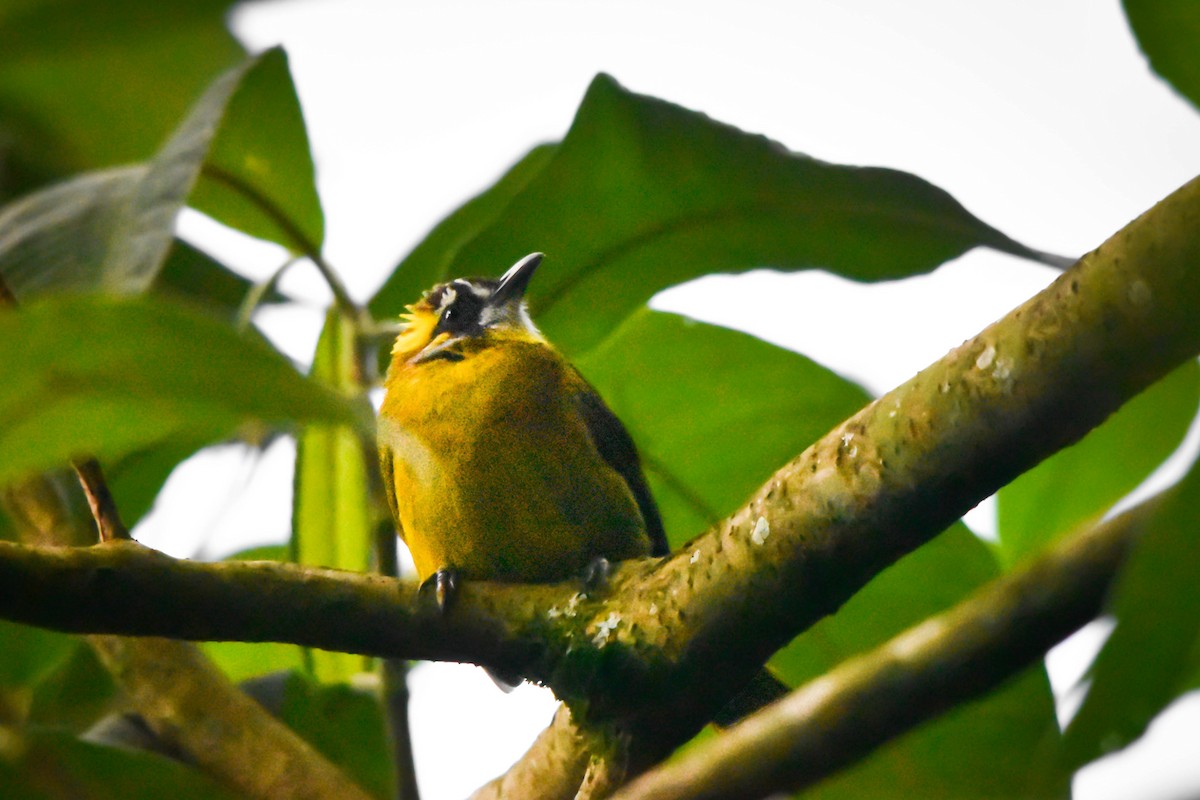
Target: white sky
x=1042, y=118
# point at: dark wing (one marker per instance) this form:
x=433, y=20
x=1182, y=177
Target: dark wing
x=617, y=448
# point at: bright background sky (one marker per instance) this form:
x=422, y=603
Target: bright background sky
x=1042, y=118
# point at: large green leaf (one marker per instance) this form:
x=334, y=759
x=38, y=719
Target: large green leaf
x=1153, y=655
x=86, y=84
x=55, y=766
x=1107, y=464
x=111, y=230
x=331, y=512
x=750, y=406
x=109, y=376
x=983, y=749
x=1168, y=31
x=642, y=194
x=258, y=175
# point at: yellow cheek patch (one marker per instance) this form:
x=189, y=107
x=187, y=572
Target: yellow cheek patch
x=418, y=331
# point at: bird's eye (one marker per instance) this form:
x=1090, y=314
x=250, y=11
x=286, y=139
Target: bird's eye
x=461, y=316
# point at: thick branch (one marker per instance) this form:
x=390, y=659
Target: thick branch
x=656, y=658
x=872, y=698
x=121, y=587
x=895, y=474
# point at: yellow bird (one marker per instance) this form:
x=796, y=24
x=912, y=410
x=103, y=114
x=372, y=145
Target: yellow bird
x=500, y=461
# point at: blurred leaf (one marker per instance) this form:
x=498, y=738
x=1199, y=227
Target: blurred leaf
x=242, y=660
x=110, y=376
x=1153, y=654
x=751, y=406
x=1089, y=477
x=86, y=85
x=76, y=693
x=111, y=231
x=642, y=194
x=28, y=653
x=258, y=176
x=983, y=749
x=332, y=524
x=195, y=276
x=430, y=261
x=61, y=767
x=1168, y=31
x=346, y=725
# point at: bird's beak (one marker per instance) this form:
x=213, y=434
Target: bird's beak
x=514, y=282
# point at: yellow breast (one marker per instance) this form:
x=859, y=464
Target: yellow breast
x=494, y=471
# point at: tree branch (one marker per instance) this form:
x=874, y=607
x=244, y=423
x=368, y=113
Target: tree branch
x=654, y=659
x=946, y=660
x=122, y=587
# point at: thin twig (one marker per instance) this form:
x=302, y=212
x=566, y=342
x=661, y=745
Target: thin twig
x=299, y=239
x=100, y=500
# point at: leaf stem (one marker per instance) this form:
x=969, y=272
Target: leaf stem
x=299, y=239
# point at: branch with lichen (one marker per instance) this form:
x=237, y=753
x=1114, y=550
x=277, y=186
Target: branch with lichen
x=839, y=718
x=894, y=475
x=645, y=664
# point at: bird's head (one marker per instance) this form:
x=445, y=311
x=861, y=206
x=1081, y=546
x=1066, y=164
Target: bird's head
x=452, y=313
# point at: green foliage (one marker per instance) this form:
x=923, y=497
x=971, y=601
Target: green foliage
x=332, y=516
x=1153, y=655
x=980, y=750
x=110, y=231
x=54, y=765
x=639, y=195
x=1168, y=32
x=86, y=85
x=110, y=376
x=751, y=407
x=346, y=725
x=1086, y=479
x=642, y=194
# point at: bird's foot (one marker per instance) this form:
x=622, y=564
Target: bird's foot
x=595, y=574
x=444, y=585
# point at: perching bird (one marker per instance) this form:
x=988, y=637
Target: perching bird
x=500, y=461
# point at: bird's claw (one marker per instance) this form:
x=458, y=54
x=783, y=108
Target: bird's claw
x=595, y=574
x=444, y=585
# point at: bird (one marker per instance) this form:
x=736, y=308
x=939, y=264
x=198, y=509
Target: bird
x=500, y=461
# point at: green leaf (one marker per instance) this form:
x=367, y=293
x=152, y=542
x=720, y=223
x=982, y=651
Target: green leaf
x=28, y=653
x=346, y=725
x=56, y=765
x=642, y=194
x=1089, y=477
x=195, y=276
x=751, y=406
x=332, y=523
x=110, y=376
x=76, y=693
x=86, y=85
x=111, y=231
x=1153, y=655
x=258, y=176
x=983, y=749
x=1168, y=32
